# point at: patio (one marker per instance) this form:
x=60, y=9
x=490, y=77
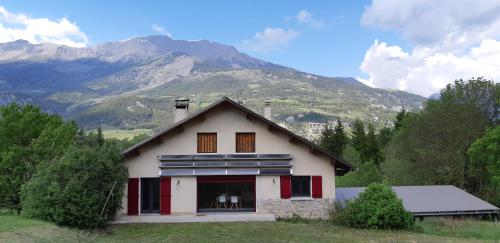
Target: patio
x=191, y=218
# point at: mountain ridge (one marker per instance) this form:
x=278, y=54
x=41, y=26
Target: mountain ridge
x=104, y=83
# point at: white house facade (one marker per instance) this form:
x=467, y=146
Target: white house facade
x=226, y=158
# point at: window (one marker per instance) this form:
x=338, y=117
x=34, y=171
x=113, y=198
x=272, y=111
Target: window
x=301, y=186
x=207, y=142
x=245, y=142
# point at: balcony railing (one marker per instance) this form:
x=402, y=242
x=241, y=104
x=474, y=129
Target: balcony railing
x=225, y=164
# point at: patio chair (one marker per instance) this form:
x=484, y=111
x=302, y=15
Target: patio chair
x=214, y=203
x=222, y=200
x=234, y=202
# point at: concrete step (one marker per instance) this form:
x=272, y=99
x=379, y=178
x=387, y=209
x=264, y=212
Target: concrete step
x=191, y=218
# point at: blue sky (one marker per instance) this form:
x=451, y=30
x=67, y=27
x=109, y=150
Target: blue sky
x=382, y=42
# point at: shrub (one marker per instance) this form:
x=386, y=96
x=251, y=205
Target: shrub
x=378, y=208
x=72, y=190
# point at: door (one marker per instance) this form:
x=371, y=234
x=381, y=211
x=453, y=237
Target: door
x=150, y=195
x=237, y=192
x=165, y=183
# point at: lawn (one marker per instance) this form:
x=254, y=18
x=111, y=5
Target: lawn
x=15, y=229
x=125, y=134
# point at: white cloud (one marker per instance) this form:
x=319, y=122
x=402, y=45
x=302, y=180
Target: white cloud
x=161, y=30
x=14, y=26
x=270, y=39
x=427, y=70
x=305, y=17
x=452, y=39
x=456, y=23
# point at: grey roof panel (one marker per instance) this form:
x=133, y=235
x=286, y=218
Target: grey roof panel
x=439, y=199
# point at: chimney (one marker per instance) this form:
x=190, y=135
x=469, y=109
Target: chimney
x=181, y=109
x=267, y=110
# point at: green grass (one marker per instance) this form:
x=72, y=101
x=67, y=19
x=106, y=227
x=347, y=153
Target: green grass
x=465, y=228
x=125, y=134
x=18, y=229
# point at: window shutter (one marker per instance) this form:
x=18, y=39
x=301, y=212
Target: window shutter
x=165, y=195
x=245, y=142
x=133, y=196
x=207, y=142
x=286, y=186
x=317, y=189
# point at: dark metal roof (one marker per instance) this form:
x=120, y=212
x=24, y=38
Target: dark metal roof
x=429, y=200
x=341, y=165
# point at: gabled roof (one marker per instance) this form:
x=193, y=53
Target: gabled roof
x=341, y=165
x=429, y=200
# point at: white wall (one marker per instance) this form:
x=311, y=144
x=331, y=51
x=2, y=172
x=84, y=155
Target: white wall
x=266, y=188
x=226, y=122
x=183, y=194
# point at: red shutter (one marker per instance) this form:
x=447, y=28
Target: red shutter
x=317, y=189
x=286, y=186
x=133, y=196
x=165, y=195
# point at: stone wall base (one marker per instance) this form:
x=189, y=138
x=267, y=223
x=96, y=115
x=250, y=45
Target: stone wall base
x=313, y=208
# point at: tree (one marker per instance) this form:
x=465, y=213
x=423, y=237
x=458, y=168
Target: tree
x=371, y=150
x=72, y=190
x=384, y=136
x=366, y=143
x=334, y=140
x=28, y=136
x=485, y=158
x=476, y=94
x=326, y=139
x=365, y=174
x=100, y=136
x=435, y=140
x=358, y=135
x=399, y=119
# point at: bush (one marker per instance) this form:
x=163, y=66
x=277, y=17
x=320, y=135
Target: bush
x=378, y=208
x=72, y=190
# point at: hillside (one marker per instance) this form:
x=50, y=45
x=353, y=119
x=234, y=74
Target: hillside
x=132, y=83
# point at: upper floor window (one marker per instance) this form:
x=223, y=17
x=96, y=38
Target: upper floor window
x=245, y=142
x=207, y=142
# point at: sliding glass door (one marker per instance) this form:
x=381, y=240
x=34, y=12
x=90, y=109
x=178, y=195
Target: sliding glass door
x=226, y=194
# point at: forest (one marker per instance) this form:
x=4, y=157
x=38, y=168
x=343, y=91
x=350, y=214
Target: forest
x=453, y=140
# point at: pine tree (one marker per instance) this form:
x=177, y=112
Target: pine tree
x=326, y=139
x=100, y=136
x=334, y=140
x=358, y=135
x=371, y=150
x=399, y=119
x=339, y=138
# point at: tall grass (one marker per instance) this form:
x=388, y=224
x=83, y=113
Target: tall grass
x=462, y=228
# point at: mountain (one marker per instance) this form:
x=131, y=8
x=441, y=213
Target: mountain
x=132, y=83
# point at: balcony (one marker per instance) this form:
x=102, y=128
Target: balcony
x=225, y=164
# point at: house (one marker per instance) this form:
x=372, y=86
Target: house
x=227, y=158
x=431, y=201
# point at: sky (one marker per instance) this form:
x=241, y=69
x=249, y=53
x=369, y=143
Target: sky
x=415, y=45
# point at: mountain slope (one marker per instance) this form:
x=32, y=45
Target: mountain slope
x=132, y=83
